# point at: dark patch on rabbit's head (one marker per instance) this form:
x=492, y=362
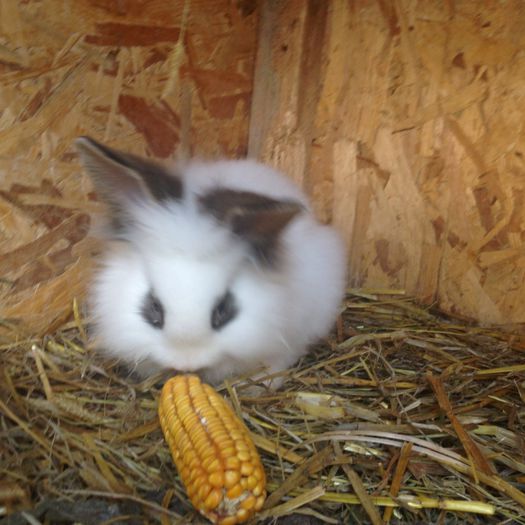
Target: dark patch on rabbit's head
x=122, y=178
x=257, y=219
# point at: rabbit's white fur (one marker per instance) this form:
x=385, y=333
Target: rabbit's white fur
x=190, y=260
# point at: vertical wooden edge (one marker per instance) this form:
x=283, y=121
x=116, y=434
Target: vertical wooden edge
x=313, y=65
x=264, y=80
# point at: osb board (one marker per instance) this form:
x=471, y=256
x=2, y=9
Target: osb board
x=404, y=119
x=163, y=79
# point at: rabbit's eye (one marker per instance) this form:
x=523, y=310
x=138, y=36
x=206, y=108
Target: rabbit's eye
x=152, y=310
x=224, y=311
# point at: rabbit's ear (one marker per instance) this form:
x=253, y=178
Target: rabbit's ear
x=256, y=218
x=121, y=179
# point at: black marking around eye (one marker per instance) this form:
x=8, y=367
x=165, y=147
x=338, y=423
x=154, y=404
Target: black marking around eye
x=152, y=310
x=224, y=311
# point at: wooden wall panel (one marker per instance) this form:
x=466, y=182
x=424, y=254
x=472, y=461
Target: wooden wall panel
x=163, y=79
x=404, y=120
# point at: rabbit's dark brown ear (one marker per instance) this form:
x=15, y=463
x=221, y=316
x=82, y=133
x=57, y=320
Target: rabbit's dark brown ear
x=121, y=178
x=255, y=218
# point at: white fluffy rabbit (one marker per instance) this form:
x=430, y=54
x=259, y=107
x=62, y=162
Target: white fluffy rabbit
x=219, y=268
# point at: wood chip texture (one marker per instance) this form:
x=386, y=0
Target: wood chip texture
x=404, y=120
x=167, y=80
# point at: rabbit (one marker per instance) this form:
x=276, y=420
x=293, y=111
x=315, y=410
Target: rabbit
x=215, y=268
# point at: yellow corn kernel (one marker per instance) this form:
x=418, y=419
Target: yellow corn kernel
x=216, y=459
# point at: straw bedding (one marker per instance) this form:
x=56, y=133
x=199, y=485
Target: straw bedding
x=404, y=416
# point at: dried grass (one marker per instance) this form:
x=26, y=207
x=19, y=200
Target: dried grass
x=404, y=417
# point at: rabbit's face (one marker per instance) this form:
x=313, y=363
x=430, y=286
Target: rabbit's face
x=193, y=278
x=187, y=309
x=190, y=304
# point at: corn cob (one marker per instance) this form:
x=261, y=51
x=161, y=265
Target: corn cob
x=216, y=459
